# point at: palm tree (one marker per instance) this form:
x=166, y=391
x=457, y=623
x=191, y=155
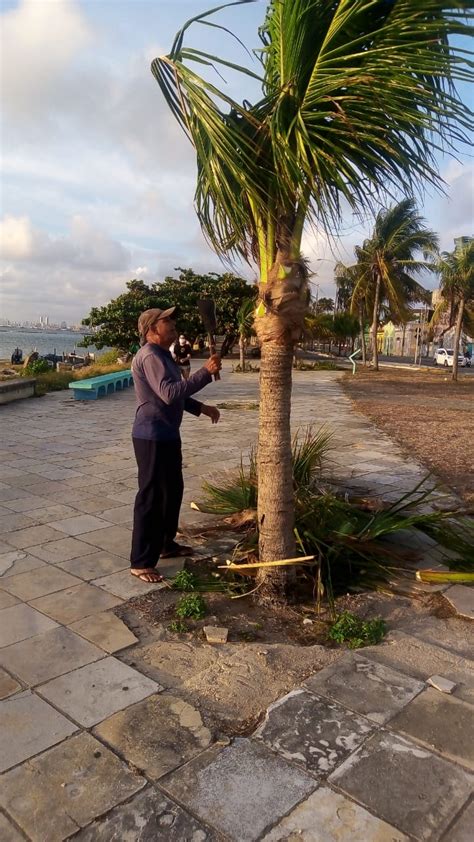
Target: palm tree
x=355, y=99
x=457, y=289
x=345, y=278
x=245, y=326
x=386, y=264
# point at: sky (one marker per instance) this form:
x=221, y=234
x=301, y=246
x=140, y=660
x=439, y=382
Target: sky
x=97, y=177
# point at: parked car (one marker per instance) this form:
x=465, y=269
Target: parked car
x=445, y=357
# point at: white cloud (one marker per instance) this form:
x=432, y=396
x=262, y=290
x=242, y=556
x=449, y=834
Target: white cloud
x=40, y=39
x=85, y=247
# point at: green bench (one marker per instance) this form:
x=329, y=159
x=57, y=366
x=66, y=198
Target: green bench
x=101, y=386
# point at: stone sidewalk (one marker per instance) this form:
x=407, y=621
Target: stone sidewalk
x=367, y=749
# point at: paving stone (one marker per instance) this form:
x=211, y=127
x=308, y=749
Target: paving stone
x=421, y=658
x=148, y=817
x=120, y=514
x=405, y=785
x=72, y=604
x=79, y=524
x=312, y=731
x=7, y=600
x=461, y=831
x=8, y=686
x=156, y=735
x=24, y=538
x=12, y=521
x=29, y=725
x=21, y=621
x=462, y=599
x=422, y=719
x=24, y=503
x=444, y=685
x=51, y=513
x=96, y=691
x=9, y=493
x=35, y=583
x=66, y=788
x=370, y=688
x=48, y=655
x=240, y=790
x=115, y=539
x=126, y=586
x=327, y=816
x=61, y=550
x=8, y=833
x=16, y=561
x=105, y=630
x=95, y=565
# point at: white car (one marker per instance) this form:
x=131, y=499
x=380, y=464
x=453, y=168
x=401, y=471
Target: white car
x=445, y=357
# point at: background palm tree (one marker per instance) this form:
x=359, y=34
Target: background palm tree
x=456, y=269
x=345, y=278
x=355, y=97
x=245, y=327
x=386, y=264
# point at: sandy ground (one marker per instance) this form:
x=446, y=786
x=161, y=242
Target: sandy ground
x=427, y=414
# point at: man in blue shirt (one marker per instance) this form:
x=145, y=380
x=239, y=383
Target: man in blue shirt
x=162, y=397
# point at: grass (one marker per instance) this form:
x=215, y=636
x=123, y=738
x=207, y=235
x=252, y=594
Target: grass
x=322, y=365
x=348, y=628
x=178, y=627
x=237, y=405
x=56, y=381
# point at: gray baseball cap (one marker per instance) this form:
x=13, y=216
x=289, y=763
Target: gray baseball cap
x=149, y=317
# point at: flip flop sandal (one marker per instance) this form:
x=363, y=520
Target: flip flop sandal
x=143, y=576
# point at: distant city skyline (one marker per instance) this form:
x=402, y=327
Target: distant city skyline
x=98, y=178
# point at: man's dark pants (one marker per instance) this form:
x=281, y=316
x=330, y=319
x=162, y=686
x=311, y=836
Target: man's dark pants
x=157, y=504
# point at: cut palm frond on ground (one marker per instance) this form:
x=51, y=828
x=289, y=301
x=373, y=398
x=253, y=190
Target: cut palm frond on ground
x=350, y=543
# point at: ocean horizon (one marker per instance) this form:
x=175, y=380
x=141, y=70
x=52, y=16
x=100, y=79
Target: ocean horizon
x=43, y=341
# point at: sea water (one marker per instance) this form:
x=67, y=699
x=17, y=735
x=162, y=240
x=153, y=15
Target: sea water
x=43, y=341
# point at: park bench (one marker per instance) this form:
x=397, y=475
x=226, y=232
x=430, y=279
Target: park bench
x=105, y=384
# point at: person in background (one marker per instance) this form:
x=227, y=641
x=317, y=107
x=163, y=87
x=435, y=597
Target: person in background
x=162, y=397
x=182, y=351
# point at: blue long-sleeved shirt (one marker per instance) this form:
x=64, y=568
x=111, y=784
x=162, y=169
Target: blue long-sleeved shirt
x=162, y=395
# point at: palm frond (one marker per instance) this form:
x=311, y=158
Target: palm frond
x=358, y=96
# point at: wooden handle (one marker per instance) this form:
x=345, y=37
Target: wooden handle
x=213, y=350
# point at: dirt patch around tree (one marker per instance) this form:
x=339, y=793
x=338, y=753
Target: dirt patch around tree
x=427, y=414
x=269, y=652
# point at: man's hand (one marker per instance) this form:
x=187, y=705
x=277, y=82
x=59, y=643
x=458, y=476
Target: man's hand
x=212, y=412
x=213, y=364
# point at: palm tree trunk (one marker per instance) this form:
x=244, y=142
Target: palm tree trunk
x=375, y=324
x=362, y=334
x=275, y=484
x=404, y=330
x=242, y=352
x=457, y=337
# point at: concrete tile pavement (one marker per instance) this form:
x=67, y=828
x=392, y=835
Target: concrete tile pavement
x=150, y=770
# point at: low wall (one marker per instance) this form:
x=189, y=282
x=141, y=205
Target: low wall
x=15, y=390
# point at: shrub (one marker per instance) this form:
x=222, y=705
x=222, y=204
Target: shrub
x=36, y=367
x=184, y=581
x=108, y=357
x=191, y=605
x=350, y=629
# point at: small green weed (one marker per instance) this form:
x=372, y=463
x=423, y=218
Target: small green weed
x=356, y=632
x=178, y=626
x=184, y=581
x=192, y=605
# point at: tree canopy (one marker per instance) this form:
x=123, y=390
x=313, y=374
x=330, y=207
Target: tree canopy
x=117, y=320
